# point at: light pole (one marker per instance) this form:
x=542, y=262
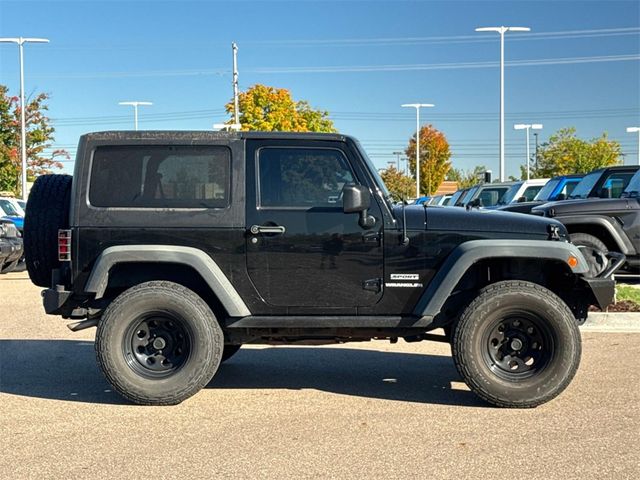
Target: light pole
x=502, y=31
x=635, y=130
x=527, y=127
x=398, y=159
x=20, y=41
x=135, y=106
x=417, y=107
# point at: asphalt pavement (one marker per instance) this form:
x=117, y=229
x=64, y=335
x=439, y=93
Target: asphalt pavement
x=369, y=410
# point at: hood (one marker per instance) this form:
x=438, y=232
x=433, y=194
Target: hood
x=521, y=207
x=456, y=219
x=586, y=206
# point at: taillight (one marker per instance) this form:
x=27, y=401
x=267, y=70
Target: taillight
x=64, y=245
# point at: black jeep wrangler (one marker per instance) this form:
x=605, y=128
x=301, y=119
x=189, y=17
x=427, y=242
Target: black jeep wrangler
x=601, y=225
x=182, y=246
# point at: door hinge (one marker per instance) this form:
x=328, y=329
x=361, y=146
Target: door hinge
x=372, y=285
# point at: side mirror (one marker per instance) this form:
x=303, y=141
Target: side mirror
x=605, y=192
x=559, y=197
x=522, y=199
x=477, y=203
x=357, y=199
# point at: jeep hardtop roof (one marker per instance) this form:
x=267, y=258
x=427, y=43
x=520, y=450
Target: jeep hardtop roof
x=124, y=135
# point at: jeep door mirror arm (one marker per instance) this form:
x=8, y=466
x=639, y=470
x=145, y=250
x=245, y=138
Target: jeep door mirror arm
x=357, y=199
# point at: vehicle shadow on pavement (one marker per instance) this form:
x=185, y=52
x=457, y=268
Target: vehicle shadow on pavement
x=67, y=370
x=407, y=377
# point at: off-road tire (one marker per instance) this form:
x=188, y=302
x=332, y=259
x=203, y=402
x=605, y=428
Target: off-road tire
x=47, y=212
x=229, y=351
x=590, y=244
x=10, y=267
x=471, y=346
x=184, y=308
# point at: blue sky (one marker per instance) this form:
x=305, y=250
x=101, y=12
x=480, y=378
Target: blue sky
x=357, y=59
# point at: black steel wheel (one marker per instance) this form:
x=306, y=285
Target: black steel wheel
x=517, y=344
x=158, y=343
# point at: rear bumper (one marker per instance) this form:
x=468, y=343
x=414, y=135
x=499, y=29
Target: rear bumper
x=54, y=300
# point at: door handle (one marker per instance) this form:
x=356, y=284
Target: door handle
x=256, y=229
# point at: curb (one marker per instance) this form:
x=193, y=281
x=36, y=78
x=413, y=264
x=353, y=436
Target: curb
x=612, y=322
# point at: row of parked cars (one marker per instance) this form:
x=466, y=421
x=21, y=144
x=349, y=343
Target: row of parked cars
x=11, y=226
x=601, y=209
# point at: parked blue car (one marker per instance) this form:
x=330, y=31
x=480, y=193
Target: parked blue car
x=558, y=188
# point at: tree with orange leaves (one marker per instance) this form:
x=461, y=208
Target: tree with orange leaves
x=40, y=135
x=269, y=109
x=434, y=158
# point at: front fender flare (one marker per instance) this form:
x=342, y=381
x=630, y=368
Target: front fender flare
x=193, y=257
x=471, y=252
x=609, y=224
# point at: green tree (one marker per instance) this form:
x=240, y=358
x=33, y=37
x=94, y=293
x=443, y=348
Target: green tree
x=40, y=135
x=565, y=153
x=467, y=178
x=268, y=109
x=399, y=185
x=434, y=158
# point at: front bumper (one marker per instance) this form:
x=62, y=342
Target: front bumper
x=603, y=287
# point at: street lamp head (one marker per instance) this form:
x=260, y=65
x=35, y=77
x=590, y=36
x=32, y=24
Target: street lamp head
x=520, y=126
x=417, y=105
x=489, y=29
x=633, y=129
x=518, y=29
x=21, y=40
x=135, y=103
x=536, y=126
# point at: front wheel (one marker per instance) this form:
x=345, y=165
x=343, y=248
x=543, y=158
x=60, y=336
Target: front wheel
x=517, y=345
x=158, y=343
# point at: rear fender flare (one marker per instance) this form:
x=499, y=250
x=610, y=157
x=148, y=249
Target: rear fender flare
x=192, y=257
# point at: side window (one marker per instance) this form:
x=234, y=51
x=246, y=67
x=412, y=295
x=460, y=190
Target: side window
x=617, y=182
x=531, y=192
x=160, y=177
x=569, y=186
x=301, y=177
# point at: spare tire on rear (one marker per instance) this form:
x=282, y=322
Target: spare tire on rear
x=47, y=212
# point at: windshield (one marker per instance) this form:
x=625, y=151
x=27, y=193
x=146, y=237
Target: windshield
x=8, y=208
x=633, y=189
x=468, y=196
x=585, y=186
x=456, y=196
x=511, y=194
x=374, y=173
x=547, y=190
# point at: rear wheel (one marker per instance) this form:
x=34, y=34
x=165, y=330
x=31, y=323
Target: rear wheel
x=158, y=343
x=593, y=250
x=10, y=267
x=517, y=345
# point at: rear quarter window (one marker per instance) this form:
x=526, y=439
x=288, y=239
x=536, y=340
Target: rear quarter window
x=155, y=176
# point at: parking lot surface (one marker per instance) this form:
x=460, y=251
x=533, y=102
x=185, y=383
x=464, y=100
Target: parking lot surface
x=370, y=410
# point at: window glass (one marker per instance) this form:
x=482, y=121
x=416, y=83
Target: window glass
x=160, y=177
x=569, y=187
x=510, y=195
x=617, y=182
x=585, y=185
x=531, y=192
x=547, y=190
x=302, y=177
x=490, y=196
x=8, y=208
